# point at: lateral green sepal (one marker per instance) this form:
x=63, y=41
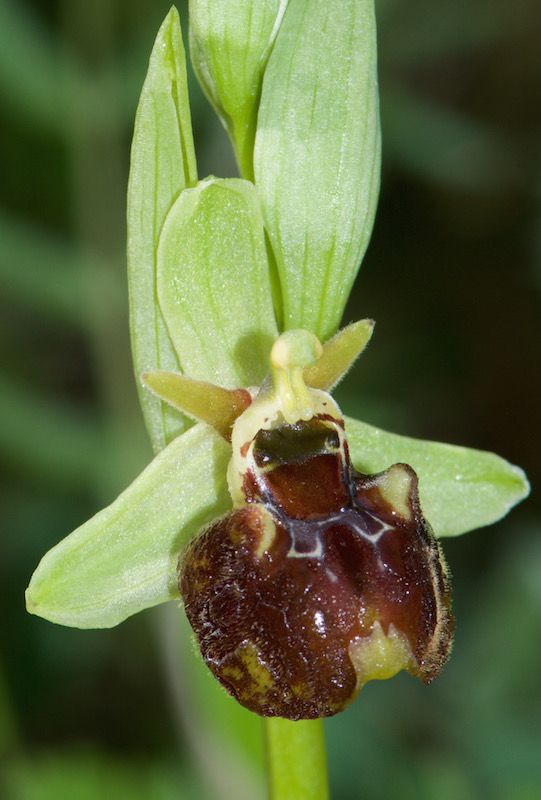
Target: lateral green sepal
x=460, y=488
x=125, y=558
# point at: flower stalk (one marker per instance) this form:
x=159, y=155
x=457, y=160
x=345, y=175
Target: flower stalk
x=296, y=760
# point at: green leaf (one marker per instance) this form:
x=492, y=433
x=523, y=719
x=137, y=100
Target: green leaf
x=317, y=155
x=461, y=489
x=230, y=43
x=124, y=559
x=162, y=164
x=214, y=286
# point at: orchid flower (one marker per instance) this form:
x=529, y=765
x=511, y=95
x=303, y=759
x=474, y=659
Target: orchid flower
x=237, y=288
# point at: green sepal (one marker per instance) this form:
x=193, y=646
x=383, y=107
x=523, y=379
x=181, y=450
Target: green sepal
x=230, y=43
x=317, y=155
x=460, y=488
x=162, y=164
x=125, y=558
x=214, y=286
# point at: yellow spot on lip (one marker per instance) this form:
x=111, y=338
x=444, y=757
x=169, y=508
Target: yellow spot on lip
x=260, y=676
x=235, y=673
x=267, y=534
x=380, y=656
x=395, y=486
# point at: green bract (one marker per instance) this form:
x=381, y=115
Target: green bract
x=230, y=43
x=200, y=286
x=162, y=164
x=317, y=155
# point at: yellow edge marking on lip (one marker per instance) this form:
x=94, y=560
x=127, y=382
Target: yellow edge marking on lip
x=268, y=533
x=259, y=676
x=379, y=656
x=395, y=486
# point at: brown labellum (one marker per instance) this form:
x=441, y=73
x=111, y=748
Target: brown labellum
x=323, y=580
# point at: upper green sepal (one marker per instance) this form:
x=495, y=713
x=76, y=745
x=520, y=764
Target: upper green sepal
x=317, y=155
x=124, y=559
x=230, y=43
x=214, y=285
x=460, y=488
x=162, y=164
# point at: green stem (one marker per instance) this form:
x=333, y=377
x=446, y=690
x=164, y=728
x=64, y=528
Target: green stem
x=296, y=760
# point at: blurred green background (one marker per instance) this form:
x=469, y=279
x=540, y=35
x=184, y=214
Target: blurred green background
x=453, y=277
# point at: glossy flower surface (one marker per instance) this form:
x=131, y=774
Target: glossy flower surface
x=322, y=579
x=316, y=569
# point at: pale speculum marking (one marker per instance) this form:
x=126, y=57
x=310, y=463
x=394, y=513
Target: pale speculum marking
x=306, y=539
